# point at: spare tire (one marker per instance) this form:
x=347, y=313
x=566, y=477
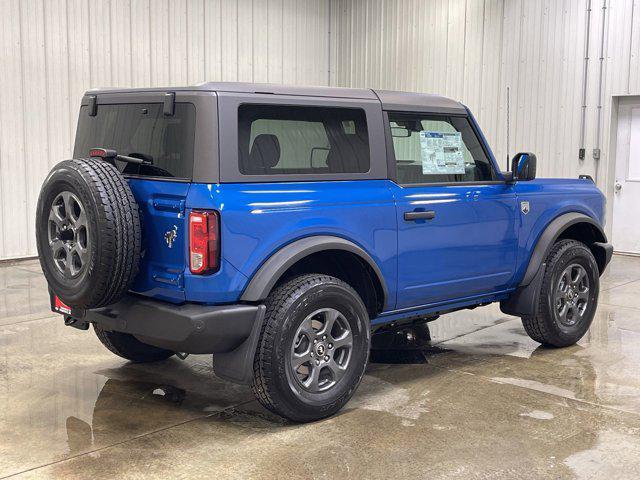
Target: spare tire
x=88, y=233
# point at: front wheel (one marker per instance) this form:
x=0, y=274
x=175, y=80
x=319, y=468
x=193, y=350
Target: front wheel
x=313, y=348
x=568, y=296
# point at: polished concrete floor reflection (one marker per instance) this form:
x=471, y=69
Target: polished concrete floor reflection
x=484, y=402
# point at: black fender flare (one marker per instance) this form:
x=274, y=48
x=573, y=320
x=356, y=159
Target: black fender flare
x=549, y=236
x=523, y=300
x=263, y=281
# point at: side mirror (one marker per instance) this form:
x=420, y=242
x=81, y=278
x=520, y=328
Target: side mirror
x=523, y=166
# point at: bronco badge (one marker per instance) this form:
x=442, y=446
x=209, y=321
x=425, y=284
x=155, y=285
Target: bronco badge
x=171, y=235
x=524, y=207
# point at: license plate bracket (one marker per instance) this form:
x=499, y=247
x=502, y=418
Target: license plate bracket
x=58, y=306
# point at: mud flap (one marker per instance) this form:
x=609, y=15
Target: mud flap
x=524, y=300
x=73, y=317
x=237, y=365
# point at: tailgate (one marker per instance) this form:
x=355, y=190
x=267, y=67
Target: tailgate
x=164, y=139
x=164, y=238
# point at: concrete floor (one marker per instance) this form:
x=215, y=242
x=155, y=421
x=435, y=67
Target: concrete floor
x=486, y=401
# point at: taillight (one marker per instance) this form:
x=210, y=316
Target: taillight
x=204, y=242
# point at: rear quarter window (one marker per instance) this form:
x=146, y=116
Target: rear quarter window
x=142, y=130
x=283, y=139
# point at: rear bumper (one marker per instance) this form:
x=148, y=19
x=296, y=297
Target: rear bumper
x=230, y=332
x=188, y=328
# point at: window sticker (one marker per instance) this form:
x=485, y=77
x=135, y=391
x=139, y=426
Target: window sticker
x=442, y=153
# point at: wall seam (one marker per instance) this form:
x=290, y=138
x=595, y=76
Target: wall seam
x=501, y=59
x=633, y=12
x=484, y=11
x=130, y=42
x=70, y=105
x=23, y=107
x=329, y=2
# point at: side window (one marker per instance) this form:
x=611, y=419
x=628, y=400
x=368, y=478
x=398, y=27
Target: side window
x=281, y=139
x=436, y=149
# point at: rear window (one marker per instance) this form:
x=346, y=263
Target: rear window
x=141, y=130
x=280, y=139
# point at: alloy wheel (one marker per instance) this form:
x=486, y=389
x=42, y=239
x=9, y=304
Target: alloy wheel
x=571, y=296
x=321, y=350
x=68, y=234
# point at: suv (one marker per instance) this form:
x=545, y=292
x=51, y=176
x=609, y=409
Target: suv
x=278, y=227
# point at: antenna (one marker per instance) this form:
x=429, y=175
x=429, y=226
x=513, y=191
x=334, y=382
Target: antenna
x=508, y=128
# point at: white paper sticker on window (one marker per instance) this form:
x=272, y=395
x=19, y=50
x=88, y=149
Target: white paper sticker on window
x=441, y=153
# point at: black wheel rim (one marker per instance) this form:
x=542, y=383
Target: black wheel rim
x=68, y=234
x=571, y=296
x=321, y=350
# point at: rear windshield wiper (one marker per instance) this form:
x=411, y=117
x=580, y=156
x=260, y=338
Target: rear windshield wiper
x=110, y=155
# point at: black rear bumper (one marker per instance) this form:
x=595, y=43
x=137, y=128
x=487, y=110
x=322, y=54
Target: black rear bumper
x=230, y=332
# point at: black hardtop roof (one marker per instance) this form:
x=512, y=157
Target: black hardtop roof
x=391, y=100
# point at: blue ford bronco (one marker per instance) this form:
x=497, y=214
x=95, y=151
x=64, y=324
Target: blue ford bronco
x=278, y=227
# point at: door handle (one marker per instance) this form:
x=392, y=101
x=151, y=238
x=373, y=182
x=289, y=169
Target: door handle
x=413, y=216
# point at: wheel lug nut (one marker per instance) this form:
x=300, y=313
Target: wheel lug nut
x=315, y=340
x=317, y=362
x=326, y=358
x=331, y=345
x=312, y=354
x=324, y=337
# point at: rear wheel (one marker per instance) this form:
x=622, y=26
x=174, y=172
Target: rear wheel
x=568, y=296
x=129, y=347
x=313, y=348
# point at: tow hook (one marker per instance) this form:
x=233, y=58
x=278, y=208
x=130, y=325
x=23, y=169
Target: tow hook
x=78, y=323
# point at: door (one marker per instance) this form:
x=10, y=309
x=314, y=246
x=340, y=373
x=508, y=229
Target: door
x=626, y=227
x=457, y=233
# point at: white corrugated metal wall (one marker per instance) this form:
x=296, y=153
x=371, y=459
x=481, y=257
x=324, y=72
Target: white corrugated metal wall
x=51, y=51
x=473, y=50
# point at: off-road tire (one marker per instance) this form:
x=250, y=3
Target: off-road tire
x=114, y=232
x=545, y=327
x=130, y=348
x=287, y=307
